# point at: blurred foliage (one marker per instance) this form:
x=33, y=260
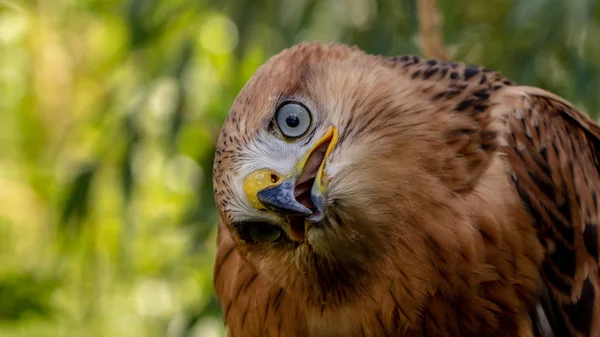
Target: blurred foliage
x=109, y=111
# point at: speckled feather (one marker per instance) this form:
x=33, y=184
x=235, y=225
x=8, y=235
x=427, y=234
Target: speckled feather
x=459, y=205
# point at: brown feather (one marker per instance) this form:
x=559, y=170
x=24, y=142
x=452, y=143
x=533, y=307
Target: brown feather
x=456, y=196
x=553, y=150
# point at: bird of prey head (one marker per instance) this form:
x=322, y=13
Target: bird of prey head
x=323, y=169
x=355, y=184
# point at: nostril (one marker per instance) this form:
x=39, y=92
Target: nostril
x=274, y=178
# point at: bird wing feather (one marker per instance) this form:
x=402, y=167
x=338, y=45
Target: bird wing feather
x=553, y=149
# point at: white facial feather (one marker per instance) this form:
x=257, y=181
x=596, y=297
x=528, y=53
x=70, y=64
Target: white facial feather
x=267, y=152
x=263, y=152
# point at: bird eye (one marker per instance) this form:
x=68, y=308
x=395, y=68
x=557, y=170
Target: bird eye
x=293, y=120
x=260, y=232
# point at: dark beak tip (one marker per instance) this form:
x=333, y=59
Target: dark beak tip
x=281, y=199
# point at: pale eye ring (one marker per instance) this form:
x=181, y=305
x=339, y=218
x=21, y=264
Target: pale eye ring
x=293, y=120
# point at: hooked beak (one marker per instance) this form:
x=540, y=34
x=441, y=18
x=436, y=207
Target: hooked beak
x=299, y=195
x=280, y=198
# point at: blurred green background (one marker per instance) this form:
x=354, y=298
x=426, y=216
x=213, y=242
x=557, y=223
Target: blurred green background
x=109, y=111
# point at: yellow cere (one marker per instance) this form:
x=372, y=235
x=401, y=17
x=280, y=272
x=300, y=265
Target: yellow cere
x=261, y=179
x=257, y=181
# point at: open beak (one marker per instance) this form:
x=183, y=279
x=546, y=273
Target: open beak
x=301, y=194
x=280, y=198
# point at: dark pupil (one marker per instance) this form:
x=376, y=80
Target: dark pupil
x=292, y=121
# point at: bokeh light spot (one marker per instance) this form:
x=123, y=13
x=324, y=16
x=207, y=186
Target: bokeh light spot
x=218, y=34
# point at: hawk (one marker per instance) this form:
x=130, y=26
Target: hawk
x=362, y=195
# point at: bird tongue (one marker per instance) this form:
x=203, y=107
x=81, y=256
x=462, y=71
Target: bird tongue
x=297, y=229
